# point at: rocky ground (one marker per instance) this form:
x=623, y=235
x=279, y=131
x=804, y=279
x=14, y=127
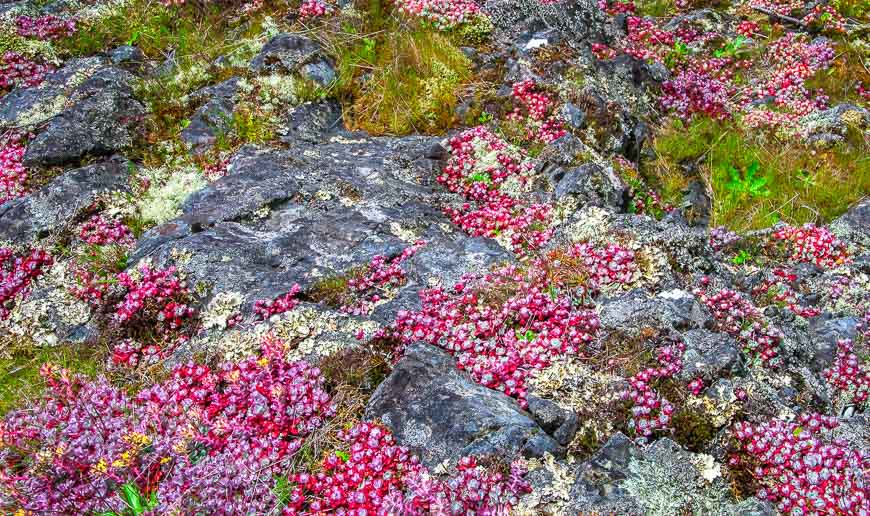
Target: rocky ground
x=434, y=257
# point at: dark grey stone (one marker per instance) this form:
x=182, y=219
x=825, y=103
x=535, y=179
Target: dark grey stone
x=442, y=414
x=103, y=118
x=54, y=207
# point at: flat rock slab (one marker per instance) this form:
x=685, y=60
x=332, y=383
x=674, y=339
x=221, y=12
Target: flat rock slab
x=442, y=414
x=58, y=204
x=312, y=212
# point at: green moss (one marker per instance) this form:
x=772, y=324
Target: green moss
x=330, y=291
x=800, y=184
x=400, y=81
x=692, y=430
x=19, y=372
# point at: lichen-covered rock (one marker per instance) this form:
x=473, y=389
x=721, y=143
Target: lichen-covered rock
x=102, y=118
x=29, y=107
x=312, y=122
x=636, y=310
x=314, y=212
x=214, y=116
x=291, y=53
x=441, y=414
x=53, y=208
x=709, y=355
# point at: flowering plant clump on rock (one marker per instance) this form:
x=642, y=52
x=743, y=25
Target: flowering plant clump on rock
x=376, y=476
x=366, y=288
x=536, y=112
x=17, y=272
x=13, y=175
x=157, y=295
x=45, y=27
x=18, y=70
x=849, y=376
x=650, y=411
x=501, y=343
x=803, y=472
x=739, y=318
x=812, y=244
x=481, y=169
x=442, y=13
x=281, y=304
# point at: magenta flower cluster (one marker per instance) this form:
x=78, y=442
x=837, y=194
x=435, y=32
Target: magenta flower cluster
x=536, y=112
x=201, y=441
x=13, y=175
x=48, y=27
x=442, y=13
x=18, y=70
x=155, y=295
x=849, y=375
x=608, y=265
x=99, y=230
x=283, y=303
x=17, y=272
x=801, y=471
x=812, y=244
x=692, y=92
x=650, y=410
x=739, y=318
x=721, y=238
x=480, y=164
x=376, y=476
x=380, y=274
x=313, y=9
x=778, y=288
x=503, y=344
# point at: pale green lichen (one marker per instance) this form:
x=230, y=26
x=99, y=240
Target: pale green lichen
x=223, y=306
x=668, y=480
x=308, y=330
x=555, y=496
x=163, y=199
x=37, y=317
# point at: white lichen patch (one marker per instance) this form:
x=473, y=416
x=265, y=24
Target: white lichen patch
x=36, y=317
x=218, y=312
x=162, y=201
x=310, y=332
x=592, y=224
x=405, y=234
x=553, y=498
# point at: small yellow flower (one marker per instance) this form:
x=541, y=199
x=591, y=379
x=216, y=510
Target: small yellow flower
x=164, y=460
x=263, y=362
x=101, y=467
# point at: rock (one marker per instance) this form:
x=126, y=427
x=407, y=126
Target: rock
x=826, y=333
x=575, y=116
x=825, y=128
x=630, y=313
x=29, y=107
x=854, y=225
x=596, y=486
x=312, y=122
x=214, y=116
x=556, y=421
x=208, y=123
x=290, y=53
x=102, y=119
x=442, y=414
x=591, y=185
x=709, y=355
x=128, y=57
x=301, y=215
x=54, y=207
x=576, y=20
